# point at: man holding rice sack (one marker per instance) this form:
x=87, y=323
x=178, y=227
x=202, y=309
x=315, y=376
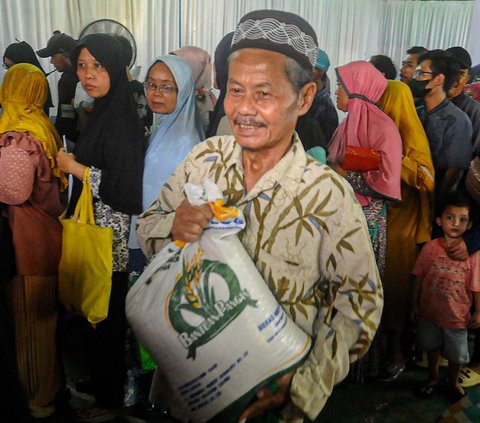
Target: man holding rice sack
x=305, y=232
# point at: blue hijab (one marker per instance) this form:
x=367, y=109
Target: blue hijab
x=176, y=132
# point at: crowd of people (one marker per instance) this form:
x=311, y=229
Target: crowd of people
x=363, y=229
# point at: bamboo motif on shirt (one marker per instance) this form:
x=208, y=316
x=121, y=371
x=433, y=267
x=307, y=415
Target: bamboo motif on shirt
x=294, y=302
x=293, y=296
x=313, y=217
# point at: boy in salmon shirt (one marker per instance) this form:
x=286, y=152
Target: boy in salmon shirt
x=443, y=294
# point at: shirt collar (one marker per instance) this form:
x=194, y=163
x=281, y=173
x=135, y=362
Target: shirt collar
x=439, y=107
x=459, y=98
x=287, y=173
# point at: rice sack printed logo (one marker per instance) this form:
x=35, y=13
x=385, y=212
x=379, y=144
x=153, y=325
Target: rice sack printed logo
x=206, y=298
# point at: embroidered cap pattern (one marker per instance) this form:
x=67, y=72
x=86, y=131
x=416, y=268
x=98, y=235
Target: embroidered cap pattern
x=277, y=32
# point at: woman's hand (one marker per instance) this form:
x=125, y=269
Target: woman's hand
x=67, y=163
x=266, y=399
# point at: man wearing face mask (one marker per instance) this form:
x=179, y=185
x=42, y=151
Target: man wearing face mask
x=448, y=129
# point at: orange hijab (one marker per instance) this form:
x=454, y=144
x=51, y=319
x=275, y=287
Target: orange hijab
x=22, y=96
x=417, y=166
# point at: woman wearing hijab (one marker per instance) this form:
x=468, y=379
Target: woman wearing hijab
x=22, y=52
x=360, y=87
x=200, y=63
x=170, y=94
x=169, y=87
x=111, y=145
x=370, y=133
x=30, y=199
x=409, y=221
x=218, y=121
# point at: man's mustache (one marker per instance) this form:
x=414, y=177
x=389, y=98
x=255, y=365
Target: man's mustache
x=247, y=121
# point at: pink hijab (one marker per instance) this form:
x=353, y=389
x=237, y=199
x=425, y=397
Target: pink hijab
x=200, y=62
x=366, y=125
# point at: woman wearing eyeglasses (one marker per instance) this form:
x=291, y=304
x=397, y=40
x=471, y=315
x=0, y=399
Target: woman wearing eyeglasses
x=170, y=92
x=169, y=87
x=112, y=146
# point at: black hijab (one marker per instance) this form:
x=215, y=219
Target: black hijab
x=112, y=139
x=221, y=77
x=22, y=52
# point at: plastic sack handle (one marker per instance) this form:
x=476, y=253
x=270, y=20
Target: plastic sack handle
x=84, y=209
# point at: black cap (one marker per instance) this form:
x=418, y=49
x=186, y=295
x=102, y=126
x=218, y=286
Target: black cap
x=461, y=55
x=279, y=31
x=58, y=43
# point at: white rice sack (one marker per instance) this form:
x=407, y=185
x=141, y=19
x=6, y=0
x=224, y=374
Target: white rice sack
x=210, y=322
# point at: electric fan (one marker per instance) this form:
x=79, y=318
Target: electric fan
x=109, y=26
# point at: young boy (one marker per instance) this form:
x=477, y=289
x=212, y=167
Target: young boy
x=442, y=297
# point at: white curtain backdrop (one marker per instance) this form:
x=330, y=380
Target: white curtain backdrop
x=473, y=45
x=431, y=24
x=347, y=29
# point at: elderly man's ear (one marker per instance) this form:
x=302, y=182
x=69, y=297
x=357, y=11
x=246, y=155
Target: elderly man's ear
x=305, y=98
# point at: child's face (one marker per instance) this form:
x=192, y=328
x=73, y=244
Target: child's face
x=454, y=221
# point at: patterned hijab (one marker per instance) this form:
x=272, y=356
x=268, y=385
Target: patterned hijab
x=417, y=166
x=367, y=126
x=22, y=96
x=176, y=134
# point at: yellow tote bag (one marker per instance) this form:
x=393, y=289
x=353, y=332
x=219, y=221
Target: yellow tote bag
x=85, y=271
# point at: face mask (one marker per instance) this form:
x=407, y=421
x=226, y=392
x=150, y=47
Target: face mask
x=418, y=88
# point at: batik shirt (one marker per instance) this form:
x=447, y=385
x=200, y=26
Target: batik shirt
x=308, y=237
